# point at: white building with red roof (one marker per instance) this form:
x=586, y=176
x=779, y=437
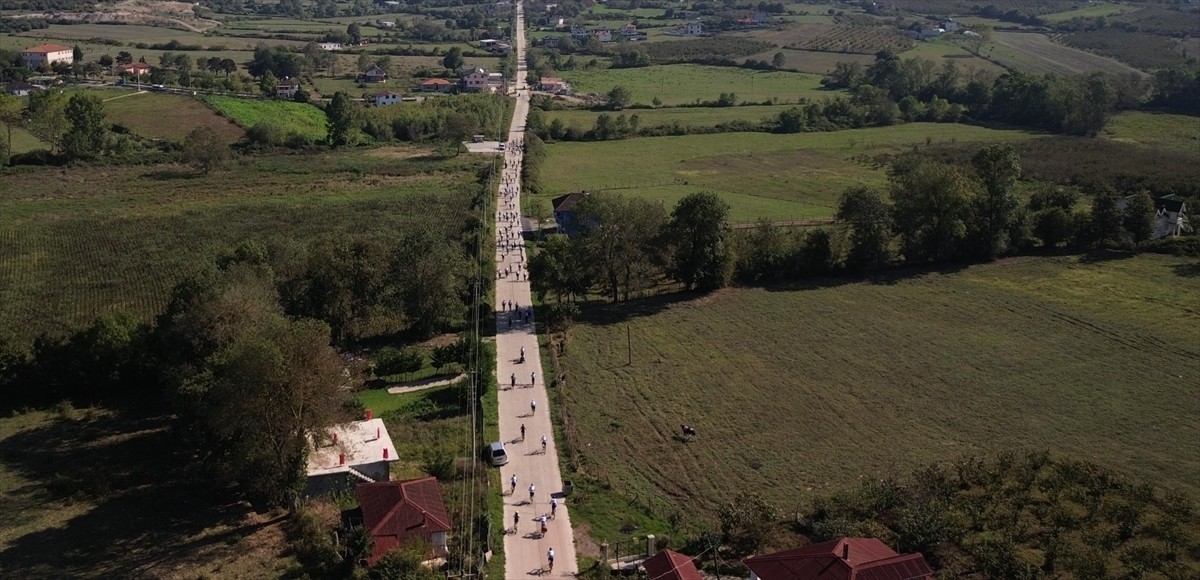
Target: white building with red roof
x=397, y=513
x=47, y=54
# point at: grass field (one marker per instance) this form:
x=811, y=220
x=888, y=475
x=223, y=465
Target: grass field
x=687, y=116
x=301, y=118
x=24, y=141
x=685, y=83
x=79, y=242
x=811, y=61
x=1094, y=10
x=1179, y=133
x=801, y=390
x=759, y=174
x=941, y=52
x=167, y=116
x=1036, y=53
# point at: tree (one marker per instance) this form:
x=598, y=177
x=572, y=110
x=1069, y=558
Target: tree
x=998, y=167
x=403, y=564
x=699, y=234
x=77, y=54
x=747, y=523
x=106, y=61
x=398, y=362
x=364, y=61
x=11, y=109
x=929, y=207
x=1140, y=216
x=1106, y=217
x=869, y=216
x=85, y=138
x=619, y=98
x=47, y=116
x=427, y=271
x=778, y=60
x=267, y=83
x=342, y=120
x=559, y=268
x=1053, y=226
x=123, y=57
x=617, y=241
x=816, y=253
x=354, y=31
x=453, y=59
x=205, y=149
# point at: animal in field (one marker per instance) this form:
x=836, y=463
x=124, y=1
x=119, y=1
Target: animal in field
x=688, y=431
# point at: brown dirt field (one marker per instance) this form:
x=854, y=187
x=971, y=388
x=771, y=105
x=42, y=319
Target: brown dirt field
x=168, y=116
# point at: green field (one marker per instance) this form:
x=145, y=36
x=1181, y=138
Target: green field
x=796, y=391
x=940, y=52
x=686, y=116
x=299, y=118
x=685, y=83
x=23, y=141
x=811, y=61
x=1179, y=133
x=1036, y=53
x=167, y=116
x=780, y=177
x=76, y=243
x=1092, y=10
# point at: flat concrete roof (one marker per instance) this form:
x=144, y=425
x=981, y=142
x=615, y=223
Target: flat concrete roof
x=361, y=442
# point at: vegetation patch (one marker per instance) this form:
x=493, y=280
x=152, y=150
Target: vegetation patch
x=166, y=116
x=291, y=118
x=1037, y=53
x=856, y=40
x=682, y=84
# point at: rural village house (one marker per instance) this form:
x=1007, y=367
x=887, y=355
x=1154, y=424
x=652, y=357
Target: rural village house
x=19, y=89
x=436, y=85
x=286, y=89
x=375, y=75
x=481, y=81
x=361, y=450
x=671, y=565
x=386, y=98
x=564, y=211
x=35, y=57
x=133, y=69
x=844, y=559
x=398, y=512
x=554, y=85
x=1170, y=215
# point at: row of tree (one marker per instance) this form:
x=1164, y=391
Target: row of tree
x=625, y=245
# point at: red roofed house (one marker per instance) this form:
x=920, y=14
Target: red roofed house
x=435, y=85
x=47, y=54
x=398, y=512
x=133, y=68
x=669, y=565
x=844, y=559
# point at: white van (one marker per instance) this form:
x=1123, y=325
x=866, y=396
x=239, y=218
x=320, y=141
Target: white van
x=496, y=455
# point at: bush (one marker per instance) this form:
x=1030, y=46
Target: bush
x=397, y=362
x=265, y=134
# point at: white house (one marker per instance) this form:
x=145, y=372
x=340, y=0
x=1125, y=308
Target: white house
x=386, y=98
x=481, y=81
x=694, y=28
x=1170, y=217
x=286, y=89
x=359, y=450
x=47, y=54
x=330, y=46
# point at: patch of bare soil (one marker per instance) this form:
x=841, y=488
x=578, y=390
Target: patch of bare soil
x=584, y=544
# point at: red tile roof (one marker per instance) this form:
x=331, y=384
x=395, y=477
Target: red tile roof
x=844, y=559
x=435, y=82
x=47, y=48
x=397, y=511
x=669, y=565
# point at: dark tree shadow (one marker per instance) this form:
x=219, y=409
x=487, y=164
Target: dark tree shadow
x=172, y=174
x=151, y=499
x=1101, y=256
x=1187, y=270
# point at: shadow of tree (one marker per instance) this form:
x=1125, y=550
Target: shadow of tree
x=1187, y=270
x=152, y=502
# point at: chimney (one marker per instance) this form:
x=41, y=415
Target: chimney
x=378, y=433
x=368, y=414
x=385, y=453
x=845, y=550
x=341, y=459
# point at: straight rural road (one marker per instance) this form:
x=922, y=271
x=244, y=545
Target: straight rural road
x=525, y=548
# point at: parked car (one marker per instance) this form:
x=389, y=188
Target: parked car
x=495, y=454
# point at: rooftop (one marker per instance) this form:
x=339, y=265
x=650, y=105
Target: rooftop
x=437, y=81
x=359, y=443
x=569, y=201
x=395, y=511
x=671, y=565
x=843, y=559
x=47, y=48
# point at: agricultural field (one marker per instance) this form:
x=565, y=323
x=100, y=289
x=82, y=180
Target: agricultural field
x=91, y=241
x=1140, y=49
x=1176, y=133
x=941, y=52
x=1078, y=356
x=299, y=118
x=780, y=177
x=856, y=40
x=167, y=116
x=686, y=116
x=1037, y=53
x=1091, y=10
x=812, y=61
x=687, y=83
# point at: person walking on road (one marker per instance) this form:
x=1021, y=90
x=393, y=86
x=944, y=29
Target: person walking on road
x=532, y=379
x=514, y=380
x=532, y=489
x=550, y=558
x=532, y=407
x=553, y=506
x=516, y=521
x=522, y=434
x=543, y=443
x=513, y=482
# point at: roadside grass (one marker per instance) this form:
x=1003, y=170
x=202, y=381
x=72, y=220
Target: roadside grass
x=79, y=242
x=299, y=118
x=778, y=177
x=168, y=116
x=94, y=493
x=686, y=116
x=678, y=84
x=1091, y=10
x=1036, y=53
x=804, y=389
x=1178, y=133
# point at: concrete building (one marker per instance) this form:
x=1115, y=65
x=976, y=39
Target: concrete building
x=47, y=54
x=386, y=98
x=359, y=451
